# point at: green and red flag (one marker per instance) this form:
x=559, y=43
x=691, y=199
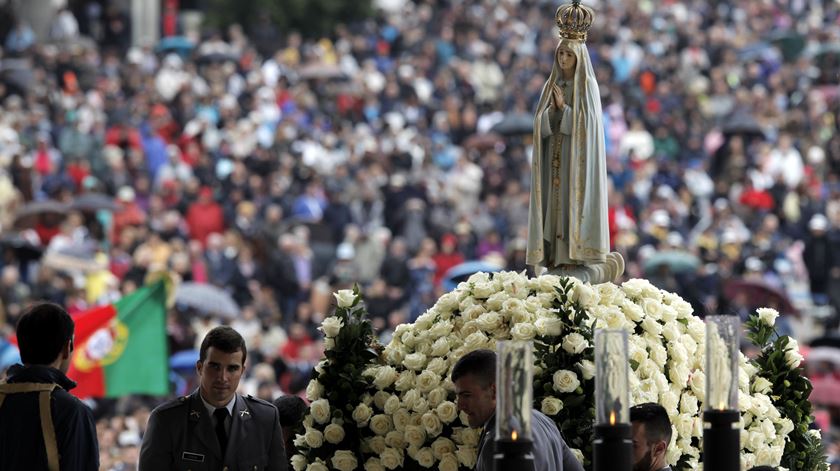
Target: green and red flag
x=121, y=348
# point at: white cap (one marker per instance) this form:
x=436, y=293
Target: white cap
x=660, y=218
x=818, y=223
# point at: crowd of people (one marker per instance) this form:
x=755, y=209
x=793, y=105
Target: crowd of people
x=280, y=168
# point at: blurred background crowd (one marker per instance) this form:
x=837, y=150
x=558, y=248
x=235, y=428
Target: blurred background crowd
x=272, y=168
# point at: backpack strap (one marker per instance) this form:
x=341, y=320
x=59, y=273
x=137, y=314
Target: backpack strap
x=44, y=391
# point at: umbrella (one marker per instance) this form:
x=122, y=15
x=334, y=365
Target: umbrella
x=760, y=294
x=827, y=354
x=207, y=298
x=513, y=124
x=93, y=202
x=321, y=71
x=482, y=141
x=180, y=44
x=16, y=73
x=216, y=57
x=742, y=124
x=676, y=260
x=184, y=360
x=831, y=341
x=23, y=248
x=462, y=272
x=9, y=354
x=824, y=52
x=790, y=43
x=33, y=209
x=75, y=259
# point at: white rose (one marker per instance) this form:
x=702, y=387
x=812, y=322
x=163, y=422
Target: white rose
x=475, y=341
x=373, y=464
x=653, y=308
x=551, y=406
x=427, y=380
x=767, y=315
x=410, y=398
x=424, y=321
x=448, y=302
x=438, y=365
x=442, y=446
x=671, y=331
x=684, y=424
x=670, y=401
x=549, y=325
x=394, y=353
x=320, y=411
x=334, y=433
x=385, y=376
x=578, y=454
x=314, y=390
x=679, y=374
x=391, y=458
x=344, y=297
x=483, y=290
x=391, y=405
x=440, y=347
x=565, y=381
x=669, y=314
x=786, y=426
x=361, y=414
x=792, y=356
x=489, y=321
x=523, y=331
x=755, y=441
x=575, y=343
x=401, y=418
x=584, y=295
x=331, y=326
x=421, y=406
x=440, y=329
x=379, y=399
x=688, y=404
x=447, y=411
x=467, y=456
x=432, y=424
x=415, y=435
x=677, y=352
x=587, y=369
x=299, y=462
x=425, y=457
x=415, y=361
x=317, y=466
x=395, y=439
x=436, y=396
x=698, y=385
x=652, y=326
x=376, y=444
x=344, y=460
x=761, y=385
x=405, y=381
x=696, y=329
x=659, y=355
x=449, y=462
x=314, y=438
x=380, y=424
x=634, y=287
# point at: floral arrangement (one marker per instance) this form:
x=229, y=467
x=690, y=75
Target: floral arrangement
x=398, y=411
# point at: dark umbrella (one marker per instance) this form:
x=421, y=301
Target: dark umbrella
x=677, y=261
x=760, y=294
x=483, y=141
x=94, y=202
x=23, y=248
x=16, y=73
x=207, y=299
x=184, y=360
x=790, y=43
x=25, y=216
x=742, y=124
x=462, y=272
x=513, y=124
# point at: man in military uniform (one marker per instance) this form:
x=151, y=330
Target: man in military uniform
x=42, y=426
x=214, y=428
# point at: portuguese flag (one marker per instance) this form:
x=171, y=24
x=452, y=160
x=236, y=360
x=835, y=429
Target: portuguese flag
x=121, y=348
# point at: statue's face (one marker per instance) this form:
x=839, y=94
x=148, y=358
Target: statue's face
x=566, y=59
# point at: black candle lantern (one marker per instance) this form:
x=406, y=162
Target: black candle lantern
x=514, y=375
x=721, y=431
x=613, y=446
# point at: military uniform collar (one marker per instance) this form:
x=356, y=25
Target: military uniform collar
x=40, y=374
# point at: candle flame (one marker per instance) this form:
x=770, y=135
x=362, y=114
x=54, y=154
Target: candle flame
x=514, y=435
x=612, y=417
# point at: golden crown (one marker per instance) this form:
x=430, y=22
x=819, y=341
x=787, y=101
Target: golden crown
x=574, y=20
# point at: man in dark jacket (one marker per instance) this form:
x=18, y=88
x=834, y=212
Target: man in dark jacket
x=42, y=426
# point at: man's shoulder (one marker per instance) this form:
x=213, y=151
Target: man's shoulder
x=172, y=406
x=259, y=406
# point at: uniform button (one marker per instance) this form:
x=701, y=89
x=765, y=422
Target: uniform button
x=556, y=181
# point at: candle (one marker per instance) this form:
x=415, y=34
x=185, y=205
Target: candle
x=613, y=447
x=514, y=382
x=721, y=434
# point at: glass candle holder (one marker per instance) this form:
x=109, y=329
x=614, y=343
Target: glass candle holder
x=514, y=396
x=722, y=362
x=612, y=384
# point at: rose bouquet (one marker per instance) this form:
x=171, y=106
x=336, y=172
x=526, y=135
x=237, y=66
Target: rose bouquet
x=398, y=411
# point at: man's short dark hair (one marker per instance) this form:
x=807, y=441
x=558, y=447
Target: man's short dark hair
x=223, y=338
x=291, y=409
x=479, y=363
x=655, y=418
x=42, y=331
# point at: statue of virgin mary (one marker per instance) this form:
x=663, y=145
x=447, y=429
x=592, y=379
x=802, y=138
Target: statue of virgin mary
x=568, y=232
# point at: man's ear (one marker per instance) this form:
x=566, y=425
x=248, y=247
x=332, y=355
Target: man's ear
x=660, y=446
x=493, y=390
x=67, y=350
x=198, y=365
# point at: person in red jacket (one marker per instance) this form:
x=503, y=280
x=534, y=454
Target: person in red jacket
x=205, y=216
x=447, y=257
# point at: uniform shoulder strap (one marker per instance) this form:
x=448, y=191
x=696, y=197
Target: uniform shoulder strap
x=44, y=391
